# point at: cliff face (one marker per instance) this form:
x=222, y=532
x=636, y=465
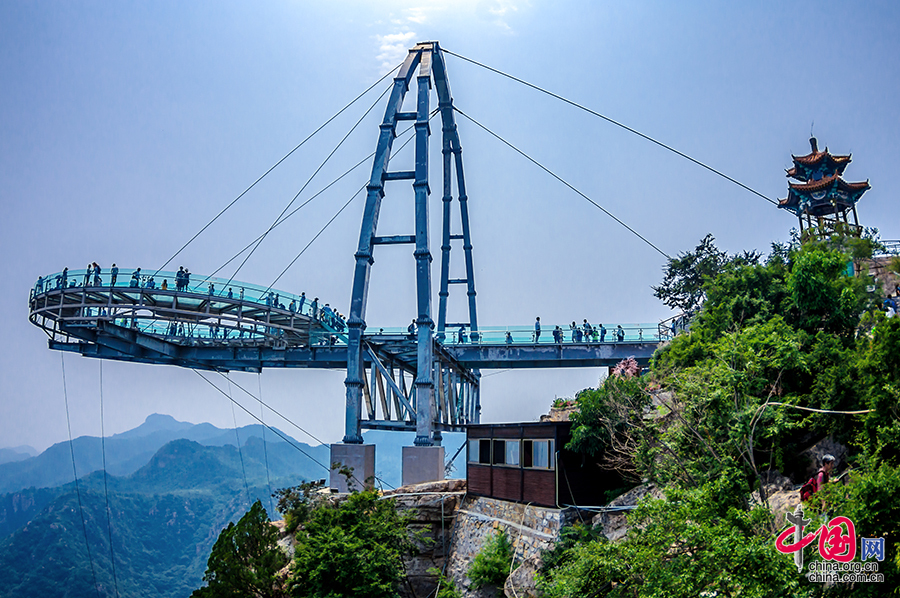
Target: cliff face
x=433, y=507
x=452, y=528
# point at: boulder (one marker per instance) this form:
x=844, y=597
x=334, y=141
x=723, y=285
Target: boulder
x=615, y=522
x=813, y=456
x=522, y=583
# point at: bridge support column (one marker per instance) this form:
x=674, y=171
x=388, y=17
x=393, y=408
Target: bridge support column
x=358, y=457
x=422, y=464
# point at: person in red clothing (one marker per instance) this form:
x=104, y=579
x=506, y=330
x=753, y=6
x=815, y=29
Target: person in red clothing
x=820, y=479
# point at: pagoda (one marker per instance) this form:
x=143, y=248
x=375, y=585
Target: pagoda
x=820, y=197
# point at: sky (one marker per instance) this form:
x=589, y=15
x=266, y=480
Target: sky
x=126, y=126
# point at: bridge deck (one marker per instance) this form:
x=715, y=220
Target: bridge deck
x=246, y=327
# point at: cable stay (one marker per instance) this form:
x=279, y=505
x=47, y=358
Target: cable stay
x=564, y=182
x=265, y=448
x=292, y=212
x=274, y=166
x=285, y=217
x=276, y=412
x=308, y=181
x=276, y=431
x=333, y=218
x=112, y=555
x=616, y=123
x=237, y=438
x=87, y=544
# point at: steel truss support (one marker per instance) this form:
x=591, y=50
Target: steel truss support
x=429, y=407
x=390, y=403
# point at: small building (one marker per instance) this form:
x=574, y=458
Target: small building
x=528, y=462
x=820, y=198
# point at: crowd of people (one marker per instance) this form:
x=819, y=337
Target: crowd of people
x=583, y=333
x=92, y=277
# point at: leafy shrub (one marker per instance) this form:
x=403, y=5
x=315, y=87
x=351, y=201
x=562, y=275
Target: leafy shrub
x=297, y=502
x=245, y=559
x=446, y=587
x=491, y=565
x=351, y=549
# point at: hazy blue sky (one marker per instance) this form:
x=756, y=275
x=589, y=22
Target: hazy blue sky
x=125, y=126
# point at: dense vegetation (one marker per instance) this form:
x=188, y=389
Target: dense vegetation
x=165, y=518
x=722, y=406
x=345, y=547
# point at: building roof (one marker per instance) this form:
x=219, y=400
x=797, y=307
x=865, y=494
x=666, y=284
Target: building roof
x=828, y=195
x=821, y=163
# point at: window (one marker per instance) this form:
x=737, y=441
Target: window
x=484, y=451
x=480, y=451
x=506, y=452
x=538, y=453
x=473, y=451
x=512, y=452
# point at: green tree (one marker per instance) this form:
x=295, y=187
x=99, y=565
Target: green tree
x=245, y=559
x=351, y=549
x=492, y=564
x=698, y=542
x=685, y=275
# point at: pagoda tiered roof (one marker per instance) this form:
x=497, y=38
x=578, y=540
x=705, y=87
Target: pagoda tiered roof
x=826, y=196
x=821, y=191
x=816, y=165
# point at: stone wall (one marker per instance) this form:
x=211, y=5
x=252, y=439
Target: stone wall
x=431, y=507
x=531, y=531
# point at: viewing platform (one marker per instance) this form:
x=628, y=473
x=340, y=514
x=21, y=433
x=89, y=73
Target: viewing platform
x=214, y=323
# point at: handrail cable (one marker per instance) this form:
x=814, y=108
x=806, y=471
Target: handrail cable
x=75, y=473
x=564, y=182
x=265, y=448
x=274, y=166
x=112, y=554
x=237, y=438
x=276, y=412
x=275, y=430
x=308, y=181
x=327, y=224
x=615, y=122
x=292, y=212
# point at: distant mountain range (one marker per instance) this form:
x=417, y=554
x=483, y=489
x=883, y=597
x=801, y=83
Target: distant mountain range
x=172, y=486
x=16, y=453
x=125, y=452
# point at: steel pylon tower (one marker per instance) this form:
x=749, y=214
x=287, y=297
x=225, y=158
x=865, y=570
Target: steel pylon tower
x=427, y=56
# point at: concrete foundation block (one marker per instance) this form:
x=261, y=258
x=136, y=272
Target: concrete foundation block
x=422, y=464
x=360, y=457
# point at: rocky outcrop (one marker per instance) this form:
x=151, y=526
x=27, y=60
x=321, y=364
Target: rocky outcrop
x=561, y=414
x=431, y=507
x=531, y=531
x=812, y=456
x=615, y=518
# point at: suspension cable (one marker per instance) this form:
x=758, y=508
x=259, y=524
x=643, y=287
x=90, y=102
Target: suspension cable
x=112, y=555
x=327, y=224
x=275, y=430
x=564, y=182
x=292, y=212
x=308, y=181
x=270, y=408
x=237, y=437
x=615, y=122
x=265, y=447
x=274, y=166
x=75, y=474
